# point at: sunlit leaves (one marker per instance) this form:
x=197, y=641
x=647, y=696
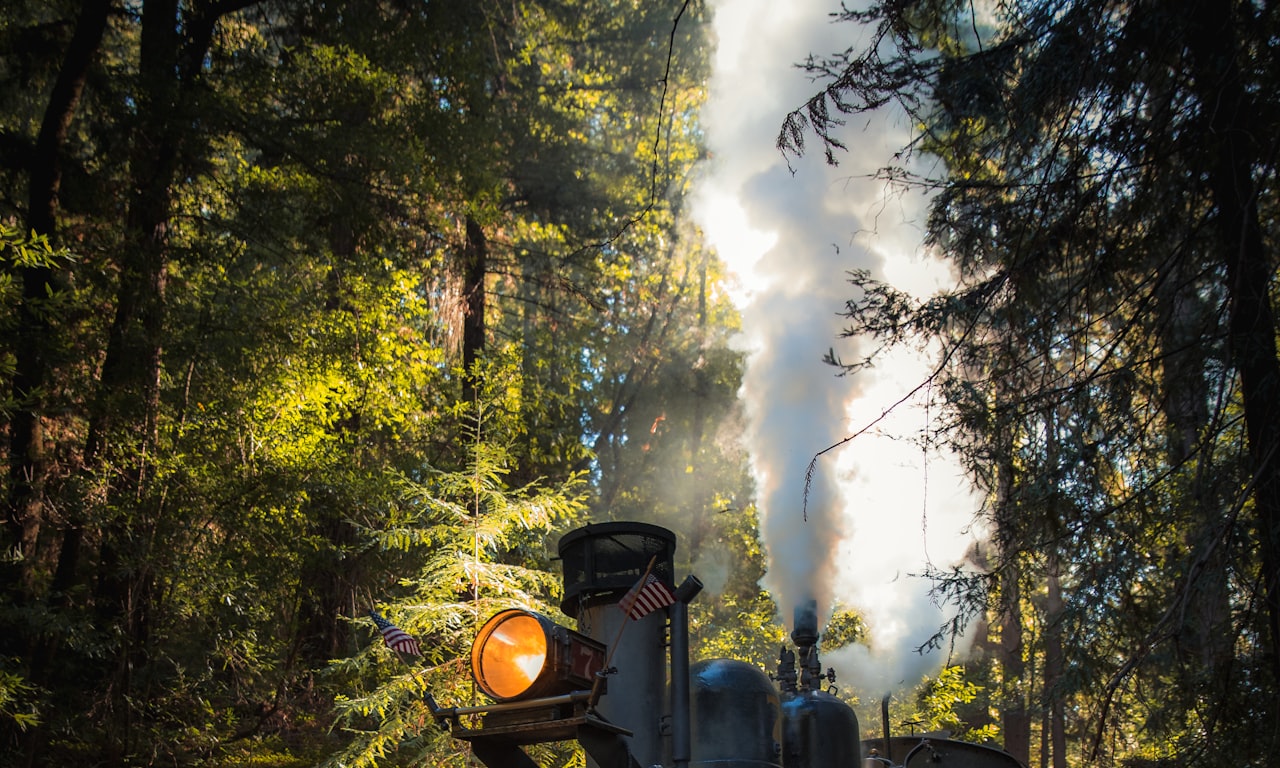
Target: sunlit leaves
x=482, y=545
x=309, y=455
x=17, y=700
x=939, y=702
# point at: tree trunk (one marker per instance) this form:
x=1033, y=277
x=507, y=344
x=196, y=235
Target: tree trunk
x=1232, y=156
x=1205, y=639
x=122, y=428
x=1054, y=666
x=326, y=584
x=27, y=469
x=700, y=492
x=1054, y=660
x=475, y=256
x=1015, y=720
x=124, y=417
x=328, y=575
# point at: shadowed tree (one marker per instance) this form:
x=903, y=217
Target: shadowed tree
x=1110, y=348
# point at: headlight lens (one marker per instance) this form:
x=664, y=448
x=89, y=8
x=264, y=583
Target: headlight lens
x=509, y=654
x=521, y=654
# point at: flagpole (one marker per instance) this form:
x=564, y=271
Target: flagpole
x=598, y=683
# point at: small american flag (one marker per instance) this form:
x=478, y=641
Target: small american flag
x=648, y=595
x=396, y=638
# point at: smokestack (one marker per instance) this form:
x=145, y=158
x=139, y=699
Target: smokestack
x=805, y=634
x=601, y=563
x=884, y=723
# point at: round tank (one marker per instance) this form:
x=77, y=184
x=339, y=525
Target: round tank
x=735, y=716
x=819, y=731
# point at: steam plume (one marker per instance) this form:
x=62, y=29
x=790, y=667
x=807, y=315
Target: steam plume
x=791, y=238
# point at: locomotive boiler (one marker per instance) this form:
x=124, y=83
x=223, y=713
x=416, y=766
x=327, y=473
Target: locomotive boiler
x=622, y=684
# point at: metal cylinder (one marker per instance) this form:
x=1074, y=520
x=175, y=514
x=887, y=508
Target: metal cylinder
x=681, y=729
x=819, y=731
x=805, y=616
x=735, y=714
x=601, y=562
x=520, y=654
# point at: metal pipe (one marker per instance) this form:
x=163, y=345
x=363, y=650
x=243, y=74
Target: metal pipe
x=509, y=706
x=601, y=562
x=884, y=723
x=681, y=733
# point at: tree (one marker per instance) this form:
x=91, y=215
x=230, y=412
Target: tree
x=484, y=547
x=1106, y=207
x=938, y=703
x=276, y=210
x=34, y=329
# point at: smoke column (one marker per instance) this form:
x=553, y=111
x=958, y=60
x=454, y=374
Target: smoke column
x=791, y=235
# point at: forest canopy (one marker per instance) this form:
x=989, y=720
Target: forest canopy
x=313, y=308
x=317, y=309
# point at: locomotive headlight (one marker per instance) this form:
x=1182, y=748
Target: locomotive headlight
x=520, y=654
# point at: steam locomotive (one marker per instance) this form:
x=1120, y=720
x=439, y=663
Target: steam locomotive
x=622, y=684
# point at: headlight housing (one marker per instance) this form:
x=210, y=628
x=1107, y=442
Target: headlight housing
x=520, y=654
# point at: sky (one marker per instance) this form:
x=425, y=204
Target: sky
x=879, y=509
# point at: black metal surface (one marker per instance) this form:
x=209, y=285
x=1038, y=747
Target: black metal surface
x=502, y=756
x=603, y=560
x=504, y=729
x=607, y=748
x=735, y=716
x=933, y=751
x=819, y=731
x=681, y=733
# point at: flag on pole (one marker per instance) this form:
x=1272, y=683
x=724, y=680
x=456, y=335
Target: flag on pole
x=648, y=595
x=396, y=638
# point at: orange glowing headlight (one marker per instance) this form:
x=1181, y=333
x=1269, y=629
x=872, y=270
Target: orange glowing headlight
x=520, y=654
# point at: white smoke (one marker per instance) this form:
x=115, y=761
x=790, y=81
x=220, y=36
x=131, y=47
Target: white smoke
x=791, y=235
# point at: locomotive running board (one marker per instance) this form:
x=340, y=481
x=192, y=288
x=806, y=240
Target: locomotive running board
x=505, y=728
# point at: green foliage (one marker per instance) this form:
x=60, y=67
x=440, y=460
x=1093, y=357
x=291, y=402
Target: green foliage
x=844, y=628
x=17, y=699
x=252, y=422
x=25, y=251
x=21, y=251
x=938, y=700
x=484, y=548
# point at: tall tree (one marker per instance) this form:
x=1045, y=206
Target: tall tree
x=33, y=334
x=1111, y=342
